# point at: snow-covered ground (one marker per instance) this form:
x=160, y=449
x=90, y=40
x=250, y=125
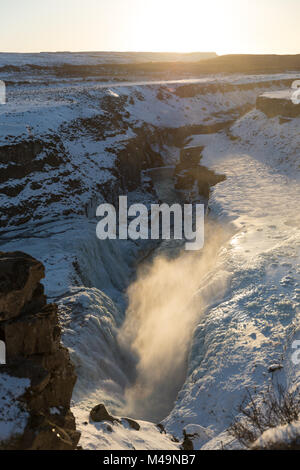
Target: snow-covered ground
x=248, y=311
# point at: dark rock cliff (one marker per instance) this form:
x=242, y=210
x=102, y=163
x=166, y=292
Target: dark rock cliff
x=29, y=327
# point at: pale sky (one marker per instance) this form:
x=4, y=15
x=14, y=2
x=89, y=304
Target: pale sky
x=223, y=26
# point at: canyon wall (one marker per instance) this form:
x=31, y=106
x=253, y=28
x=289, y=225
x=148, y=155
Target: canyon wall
x=30, y=330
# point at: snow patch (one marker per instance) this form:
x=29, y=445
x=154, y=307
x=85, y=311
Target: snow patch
x=13, y=418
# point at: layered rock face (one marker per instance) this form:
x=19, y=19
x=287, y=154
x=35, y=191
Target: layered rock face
x=29, y=327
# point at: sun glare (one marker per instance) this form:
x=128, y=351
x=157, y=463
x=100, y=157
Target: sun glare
x=231, y=26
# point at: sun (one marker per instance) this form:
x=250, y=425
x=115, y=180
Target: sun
x=178, y=26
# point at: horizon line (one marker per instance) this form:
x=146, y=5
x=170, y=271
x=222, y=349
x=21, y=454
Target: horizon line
x=148, y=52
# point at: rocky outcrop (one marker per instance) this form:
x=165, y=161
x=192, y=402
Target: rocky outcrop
x=187, y=444
x=189, y=173
x=98, y=150
x=99, y=413
x=29, y=327
x=192, y=90
x=135, y=156
x=278, y=103
x=27, y=197
x=19, y=284
x=132, y=424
